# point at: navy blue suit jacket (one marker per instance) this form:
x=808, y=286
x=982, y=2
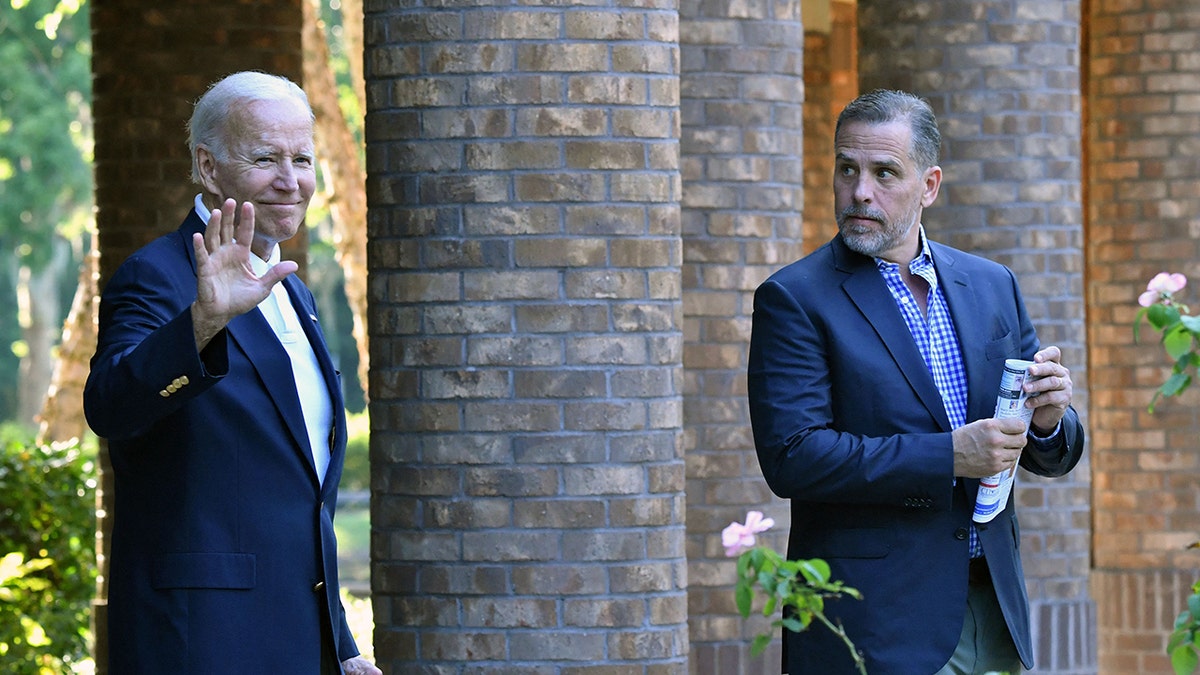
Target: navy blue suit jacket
x=223, y=552
x=850, y=427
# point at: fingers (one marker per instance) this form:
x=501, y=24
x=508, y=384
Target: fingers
x=229, y=225
x=279, y=272
x=1051, y=354
x=245, y=224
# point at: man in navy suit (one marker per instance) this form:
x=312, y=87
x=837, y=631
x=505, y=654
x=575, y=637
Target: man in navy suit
x=224, y=417
x=873, y=374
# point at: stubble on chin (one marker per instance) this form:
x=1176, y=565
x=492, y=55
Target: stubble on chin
x=870, y=244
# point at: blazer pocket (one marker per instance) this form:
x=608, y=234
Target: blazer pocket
x=856, y=543
x=203, y=570
x=1004, y=347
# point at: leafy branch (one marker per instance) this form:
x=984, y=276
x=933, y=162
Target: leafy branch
x=797, y=588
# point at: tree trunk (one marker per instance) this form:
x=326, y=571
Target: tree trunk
x=37, y=300
x=352, y=37
x=345, y=176
x=62, y=418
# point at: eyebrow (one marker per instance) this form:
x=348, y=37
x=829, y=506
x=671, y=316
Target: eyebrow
x=894, y=165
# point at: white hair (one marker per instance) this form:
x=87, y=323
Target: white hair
x=207, y=126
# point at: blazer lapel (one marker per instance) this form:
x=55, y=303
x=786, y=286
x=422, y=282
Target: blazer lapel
x=307, y=315
x=968, y=313
x=867, y=290
x=254, y=337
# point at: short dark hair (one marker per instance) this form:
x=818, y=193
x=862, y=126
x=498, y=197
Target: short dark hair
x=889, y=105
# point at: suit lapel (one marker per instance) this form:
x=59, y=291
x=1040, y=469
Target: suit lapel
x=312, y=330
x=968, y=313
x=270, y=360
x=868, y=291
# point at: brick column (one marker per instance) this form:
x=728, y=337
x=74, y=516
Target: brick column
x=1143, y=94
x=526, y=337
x=742, y=145
x=830, y=82
x=1004, y=79
x=150, y=62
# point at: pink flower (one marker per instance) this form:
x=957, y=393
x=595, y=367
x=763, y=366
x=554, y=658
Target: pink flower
x=738, y=537
x=1161, y=287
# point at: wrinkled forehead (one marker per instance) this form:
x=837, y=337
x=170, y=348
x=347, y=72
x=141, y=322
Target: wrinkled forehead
x=285, y=121
x=874, y=143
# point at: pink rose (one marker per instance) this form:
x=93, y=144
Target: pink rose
x=738, y=537
x=1161, y=287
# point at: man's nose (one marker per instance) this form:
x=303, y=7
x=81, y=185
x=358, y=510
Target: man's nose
x=863, y=189
x=285, y=177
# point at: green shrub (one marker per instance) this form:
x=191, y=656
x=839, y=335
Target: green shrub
x=47, y=553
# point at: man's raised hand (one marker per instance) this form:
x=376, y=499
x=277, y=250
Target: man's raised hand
x=226, y=285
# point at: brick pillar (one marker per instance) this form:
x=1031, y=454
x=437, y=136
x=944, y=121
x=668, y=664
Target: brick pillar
x=742, y=126
x=150, y=62
x=1142, y=203
x=820, y=224
x=526, y=337
x=1003, y=78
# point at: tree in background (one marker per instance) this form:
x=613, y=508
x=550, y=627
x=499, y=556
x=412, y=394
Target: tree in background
x=333, y=80
x=45, y=188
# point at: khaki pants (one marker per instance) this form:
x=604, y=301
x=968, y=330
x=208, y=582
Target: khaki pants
x=985, y=645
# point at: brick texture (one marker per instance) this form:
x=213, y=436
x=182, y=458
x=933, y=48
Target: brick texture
x=569, y=208
x=743, y=91
x=527, y=332
x=1004, y=80
x=150, y=62
x=1141, y=198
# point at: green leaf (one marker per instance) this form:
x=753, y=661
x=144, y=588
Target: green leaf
x=760, y=643
x=1192, y=323
x=816, y=571
x=1161, y=316
x=743, y=596
x=743, y=564
x=1184, y=660
x=1177, y=341
x=797, y=625
x=769, y=607
x=1175, y=384
x=1193, y=603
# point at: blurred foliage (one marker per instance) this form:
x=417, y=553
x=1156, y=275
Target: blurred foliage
x=47, y=552
x=45, y=124
x=357, y=472
x=45, y=154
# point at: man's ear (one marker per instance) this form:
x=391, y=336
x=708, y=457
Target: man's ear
x=206, y=165
x=933, y=181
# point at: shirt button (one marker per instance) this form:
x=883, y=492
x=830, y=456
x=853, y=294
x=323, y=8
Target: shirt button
x=318, y=587
x=960, y=533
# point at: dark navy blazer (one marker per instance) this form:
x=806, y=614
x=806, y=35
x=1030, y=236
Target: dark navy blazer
x=850, y=427
x=223, y=552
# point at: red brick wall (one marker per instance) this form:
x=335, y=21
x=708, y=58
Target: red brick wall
x=1143, y=95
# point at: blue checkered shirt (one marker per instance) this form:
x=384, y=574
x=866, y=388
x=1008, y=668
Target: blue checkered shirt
x=936, y=340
